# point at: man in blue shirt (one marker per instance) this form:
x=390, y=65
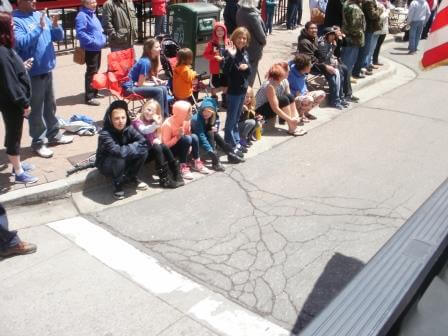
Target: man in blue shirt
x=35, y=34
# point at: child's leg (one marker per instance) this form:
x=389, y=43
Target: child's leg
x=195, y=146
x=225, y=147
x=181, y=148
x=156, y=153
x=246, y=127
x=168, y=155
x=132, y=167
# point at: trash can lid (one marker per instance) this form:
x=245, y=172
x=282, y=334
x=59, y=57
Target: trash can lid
x=197, y=7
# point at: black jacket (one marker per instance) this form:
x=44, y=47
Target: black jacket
x=307, y=45
x=333, y=14
x=230, y=15
x=127, y=144
x=15, y=85
x=237, y=80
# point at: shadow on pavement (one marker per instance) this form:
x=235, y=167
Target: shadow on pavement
x=70, y=100
x=338, y=272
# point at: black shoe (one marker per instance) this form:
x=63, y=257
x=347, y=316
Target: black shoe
x=249, y=144
x=165, y=179
x=233, y=158
x=239, y=154
x=175, y=172
x=243, y=149
x=345, y=103
x=118, y=191
x=93, y=102
x=352, y=99
x=337, y=106
x=217, y=166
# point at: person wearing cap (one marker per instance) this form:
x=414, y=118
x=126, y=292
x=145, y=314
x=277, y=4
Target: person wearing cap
x=122, y=150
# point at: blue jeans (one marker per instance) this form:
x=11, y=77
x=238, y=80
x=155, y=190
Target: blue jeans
x=158, y=93
x=349, y=56
x=291, y=15
x=117, y=168
x=269, y=19
x=42, y=120
x=234, y=107
x=181, y=148
x=7, y=238
x=160, y=25
x=334, y=83
x=363, y=53
x=415, y=33
x=373, y=43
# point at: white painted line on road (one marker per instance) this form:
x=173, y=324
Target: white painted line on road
x=215, y=310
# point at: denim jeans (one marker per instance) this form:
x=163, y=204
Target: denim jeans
x=159, y=93
x=234, y=107
x=349, y=55
x=373, y=43
x=269, y=19
x=117, y=168
x=160, y=25
x=182, y=147
x=246, y=128
x=291, y=15
x=363, y=53
x=334, y=83
x=7, y=238
x=415, y=33
x=42, y=120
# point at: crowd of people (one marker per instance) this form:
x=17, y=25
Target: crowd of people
x=342, y=43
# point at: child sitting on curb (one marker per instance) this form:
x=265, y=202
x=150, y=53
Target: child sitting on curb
x=203, y=125
x=305, y=100
x=248, y=119
x=122, y=150
x=149, y=125
x=176, y=135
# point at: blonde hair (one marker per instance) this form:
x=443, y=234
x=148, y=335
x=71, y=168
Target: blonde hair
x=250, y=92
x=156, y=108
x=240, y=31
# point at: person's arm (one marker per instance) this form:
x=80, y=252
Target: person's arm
x=109, y=145
x=107, y=22
x=273, y=103
x=81, y=30
x=257, y=32
x=9, y=81
x=209, y=53
x=147, y=129
x=23, y=38
x=199, y=130
x=371, y=10
x=188, y=76
x=145, y=69
x=167, y=139
x=57, y=33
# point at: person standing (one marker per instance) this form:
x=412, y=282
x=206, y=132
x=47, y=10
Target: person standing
x=418, y=15
x=230, y=15
x=120, y=24
x=159, y=13
x=291, y=14
x=270, y=10
x=386, y=5
x=34, y=35
x=15, y=90
x=249, y=17
x=91, y=38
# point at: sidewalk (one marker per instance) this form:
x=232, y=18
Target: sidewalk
x=69, y=82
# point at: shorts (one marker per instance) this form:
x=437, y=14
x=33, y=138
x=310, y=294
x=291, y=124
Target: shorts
x=218, y=80
x=266, y=111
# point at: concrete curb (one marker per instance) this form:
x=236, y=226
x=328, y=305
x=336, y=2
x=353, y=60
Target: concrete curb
x=92, y=178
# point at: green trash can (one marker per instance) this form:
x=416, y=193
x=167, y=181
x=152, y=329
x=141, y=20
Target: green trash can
x=192, y=25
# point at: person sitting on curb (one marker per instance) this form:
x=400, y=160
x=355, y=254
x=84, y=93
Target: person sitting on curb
x=10, y=244
x=305, y=100
x=203, y=125
x=122, y=150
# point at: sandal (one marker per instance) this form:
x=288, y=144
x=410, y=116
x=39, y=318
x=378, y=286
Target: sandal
x=297, y=132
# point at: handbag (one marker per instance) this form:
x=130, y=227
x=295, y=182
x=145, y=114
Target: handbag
x=79, y=56
x=317, y=17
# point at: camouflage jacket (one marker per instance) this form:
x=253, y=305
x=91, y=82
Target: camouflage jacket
x=353, y=24
x=372, y=13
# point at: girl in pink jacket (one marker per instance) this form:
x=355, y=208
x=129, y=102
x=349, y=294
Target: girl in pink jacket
x=176, y=135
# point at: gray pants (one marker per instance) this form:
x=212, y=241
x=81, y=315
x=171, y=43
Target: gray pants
x=246, y=127
x=253, y=72
x=42, y=120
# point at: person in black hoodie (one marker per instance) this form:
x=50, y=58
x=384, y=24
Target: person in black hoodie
x=122, y=150
x=230, y=15
x=15, y=93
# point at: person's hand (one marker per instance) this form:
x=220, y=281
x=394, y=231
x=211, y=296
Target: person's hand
x=214, y=129
x=231, y=48
x=218, y=58
x=243, y=67
x=26, y=112
x=28, y=64
x=157, y=141
x=330, y=69
x=181, y=132
x=54, y=20
x=43, y=22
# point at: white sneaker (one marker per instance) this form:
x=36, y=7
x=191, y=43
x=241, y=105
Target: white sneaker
x=44, y=151
x=198, y=166
x=185, y=171
x=63, y=140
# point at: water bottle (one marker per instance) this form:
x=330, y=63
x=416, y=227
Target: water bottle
x=258, y=131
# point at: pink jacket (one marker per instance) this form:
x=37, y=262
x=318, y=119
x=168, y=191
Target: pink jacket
x=172, y=125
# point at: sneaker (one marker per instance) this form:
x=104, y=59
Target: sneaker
x=218, y=167
x=352, y=99
x=345, y=103
x=185, y=171
x=25, y=167
x=19, y=249
x=198, y=166
x=93, y=102
x=140, y=185
x=358, y=76
x=26, y=178
x=337, y=106
x=63, y=140
x=99, y=95
x=118, y=191
x=233, y=158
x=44, y=151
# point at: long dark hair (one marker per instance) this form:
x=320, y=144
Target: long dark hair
x=6, y=30
x=155, y=62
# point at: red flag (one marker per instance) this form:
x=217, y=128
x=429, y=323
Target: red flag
x=436, y=52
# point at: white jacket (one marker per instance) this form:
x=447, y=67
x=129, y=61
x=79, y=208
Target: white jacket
x=418, y=11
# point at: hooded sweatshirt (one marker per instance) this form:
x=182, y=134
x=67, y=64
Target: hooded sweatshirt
x=172, y=125
x=199, y=125
x=127, y=144
x=183, y=77
x=33, y=41
x=418, y=11
x=89, y=30
x=215, y=49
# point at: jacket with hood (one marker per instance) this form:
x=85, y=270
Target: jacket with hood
x=15, y=85
x=230, y=15
x=158, y=7
x=201, y=127
x=215, y=49
x=183, y=77
x=354, y=24
x=297, y=81
x=126, y=144
x=33, y=41
x=372, y=14
x=308, y=46
x=237, y=80
x=89, y=30
x=418, y=11
x=251, y=19
x=172, y=125
x=326, y=51
x=120, y=23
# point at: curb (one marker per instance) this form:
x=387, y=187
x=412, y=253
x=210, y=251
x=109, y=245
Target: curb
x=92, y=178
